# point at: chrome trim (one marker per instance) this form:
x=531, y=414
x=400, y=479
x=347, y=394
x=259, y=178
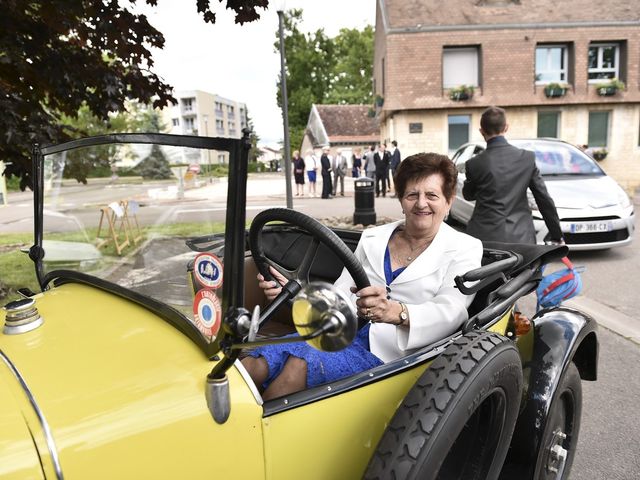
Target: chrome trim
x=51, y=445
x=249, y=381
x=23, y=328
x=22, y=316
x=218, y=398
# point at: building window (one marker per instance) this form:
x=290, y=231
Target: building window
x=604, y=61
x=598, y=129
x=220, y=127
x=189, y=123
x=175, y=122
x=221, y=158
x=458, y=131
x=548, y=123
x=460, y=66
x=187, y=104
x=551, y=63
x=218, y=106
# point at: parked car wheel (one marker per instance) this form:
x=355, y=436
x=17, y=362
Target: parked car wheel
x=457, y=420
x=561, y=431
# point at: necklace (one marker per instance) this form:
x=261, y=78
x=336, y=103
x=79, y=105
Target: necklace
x=418, y=248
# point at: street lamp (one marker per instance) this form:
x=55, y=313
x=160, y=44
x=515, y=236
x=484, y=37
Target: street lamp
x=285, y=107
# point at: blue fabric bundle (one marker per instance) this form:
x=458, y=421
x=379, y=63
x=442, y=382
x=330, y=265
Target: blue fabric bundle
x=558, y=286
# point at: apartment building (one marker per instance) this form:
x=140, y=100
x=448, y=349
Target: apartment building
x=511, y=52
x=205, y=114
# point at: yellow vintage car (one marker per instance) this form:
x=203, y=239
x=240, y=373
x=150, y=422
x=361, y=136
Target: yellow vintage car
x=126, y=364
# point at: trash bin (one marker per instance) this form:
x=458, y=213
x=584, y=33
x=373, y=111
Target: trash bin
x=365, y=213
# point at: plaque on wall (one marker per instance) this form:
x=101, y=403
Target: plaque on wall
x=415, y=127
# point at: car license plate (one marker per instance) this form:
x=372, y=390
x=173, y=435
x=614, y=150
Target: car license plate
x=591, y=227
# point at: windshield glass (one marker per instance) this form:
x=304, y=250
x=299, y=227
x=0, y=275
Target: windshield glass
x=555, y=158
x=132, y=222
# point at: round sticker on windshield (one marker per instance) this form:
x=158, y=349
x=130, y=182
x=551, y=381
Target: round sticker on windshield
x=207, y=269
x=207, y=312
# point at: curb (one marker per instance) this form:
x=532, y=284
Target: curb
x=607, y=317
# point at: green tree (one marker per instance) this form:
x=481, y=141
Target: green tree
x=351, y=80
x=135, y=118
x=309, y=62
x=323, y=70
x=254, y=153
x=57, y=56
x=155, y=166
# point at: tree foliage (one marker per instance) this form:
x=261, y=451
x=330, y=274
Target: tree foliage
x=155, y=166
x=58, y=56
x=254, y=152
x=323, y=70
x=136, y=118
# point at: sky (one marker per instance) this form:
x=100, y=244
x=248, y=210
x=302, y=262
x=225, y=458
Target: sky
x=239, y=62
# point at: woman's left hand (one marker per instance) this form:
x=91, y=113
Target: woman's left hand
x=374, y=305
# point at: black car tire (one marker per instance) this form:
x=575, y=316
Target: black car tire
x=457, y=420
x=564, y=416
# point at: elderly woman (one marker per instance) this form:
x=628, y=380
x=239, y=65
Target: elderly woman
x=412, y=301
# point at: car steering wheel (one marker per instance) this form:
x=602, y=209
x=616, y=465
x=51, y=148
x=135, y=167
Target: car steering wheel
x=319, y=233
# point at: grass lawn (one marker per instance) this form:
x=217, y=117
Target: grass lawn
x=17, y=270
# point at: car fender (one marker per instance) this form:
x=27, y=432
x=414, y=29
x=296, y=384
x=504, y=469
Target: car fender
x=561, y=335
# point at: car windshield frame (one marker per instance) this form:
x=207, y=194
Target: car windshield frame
x=234, y=236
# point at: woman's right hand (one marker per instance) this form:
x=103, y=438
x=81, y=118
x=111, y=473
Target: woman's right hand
x=272, y=289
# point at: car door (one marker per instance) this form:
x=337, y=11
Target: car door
x=462, y=209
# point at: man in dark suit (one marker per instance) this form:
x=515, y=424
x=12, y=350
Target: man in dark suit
x=382, y=158
x=497, y=179
x=325, y=164
x=395, y=160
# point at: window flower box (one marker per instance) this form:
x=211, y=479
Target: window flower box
x=461, y=93
x=609, y=88
x=554, y=90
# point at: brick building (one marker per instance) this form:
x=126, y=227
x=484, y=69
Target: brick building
x=509, y=51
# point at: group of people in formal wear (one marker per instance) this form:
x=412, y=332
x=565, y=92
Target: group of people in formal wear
x=412, y=300
x=377, y=163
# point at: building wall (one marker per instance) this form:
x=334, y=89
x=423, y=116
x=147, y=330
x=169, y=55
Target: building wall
x=379, y=55
x=622, y=162
x=413, y=66
x=202, y=113
x=414, y=91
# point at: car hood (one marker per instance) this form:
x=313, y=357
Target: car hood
x=583, y=192
x=114, y=381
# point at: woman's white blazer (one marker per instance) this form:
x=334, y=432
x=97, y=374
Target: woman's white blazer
x=436, y=307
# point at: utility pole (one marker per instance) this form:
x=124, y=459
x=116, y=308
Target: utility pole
x=285, y=111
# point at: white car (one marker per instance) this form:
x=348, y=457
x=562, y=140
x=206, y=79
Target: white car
x=595, y=212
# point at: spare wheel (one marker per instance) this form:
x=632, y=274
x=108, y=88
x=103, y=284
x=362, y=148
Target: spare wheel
x=456, y=422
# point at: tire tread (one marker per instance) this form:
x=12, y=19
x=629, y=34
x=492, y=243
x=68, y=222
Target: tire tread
x=400, y=446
